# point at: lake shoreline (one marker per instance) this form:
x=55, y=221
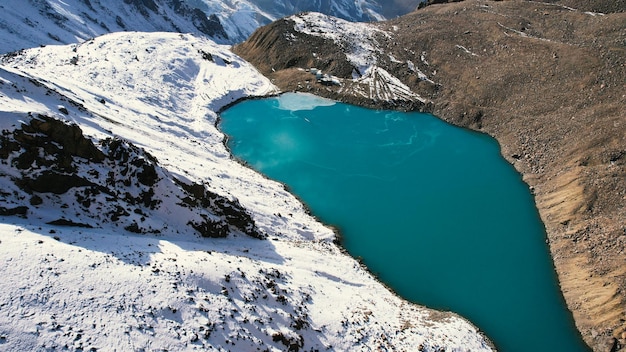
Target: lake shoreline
x=338, y=236
x=253, y=118
x=567, y=143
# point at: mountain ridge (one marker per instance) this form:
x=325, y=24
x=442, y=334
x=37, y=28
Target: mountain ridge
x=26, y=24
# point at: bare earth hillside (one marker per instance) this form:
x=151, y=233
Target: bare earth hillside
x=546, y=79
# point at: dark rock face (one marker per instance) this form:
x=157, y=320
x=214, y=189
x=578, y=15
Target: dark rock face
x=142, y=5
x=52, y=182
x=48, y=133
x=60, y=141
x=207, y=24
x=546, y=80
x=65, y=222
x=234, y=214
x=210, y=25
x=116, y=182
x=20, y=210
x=268, y=48
x=434, y=2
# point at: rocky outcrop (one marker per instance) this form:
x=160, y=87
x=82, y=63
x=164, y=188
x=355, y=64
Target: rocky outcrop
x=546, y=80
x=53, y=172
x=142, y=5
x=267, y=48
x=208, y=24
x=52, y=134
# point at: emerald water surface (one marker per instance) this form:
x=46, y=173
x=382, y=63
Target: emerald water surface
x=432, y=209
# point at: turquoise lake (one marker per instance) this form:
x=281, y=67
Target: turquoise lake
x=433, y=210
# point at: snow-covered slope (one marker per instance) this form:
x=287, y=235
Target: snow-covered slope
x=26, y=24
x=141, y=108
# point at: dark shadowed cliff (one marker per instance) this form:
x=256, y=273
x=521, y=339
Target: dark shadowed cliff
x=544, y=78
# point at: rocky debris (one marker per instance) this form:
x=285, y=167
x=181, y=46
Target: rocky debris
x=56, y=171
x=323, y=78
x=596, y=6
x=347, y=68
x=546, y=80
x=207, y=24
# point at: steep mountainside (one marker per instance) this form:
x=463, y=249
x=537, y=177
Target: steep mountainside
x=126, y=225
x=27, y=24
x=242, y=17
x=545, y=79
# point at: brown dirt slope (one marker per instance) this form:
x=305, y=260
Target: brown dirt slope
x=547, y=80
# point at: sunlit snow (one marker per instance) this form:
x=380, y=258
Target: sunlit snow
x=107, y=289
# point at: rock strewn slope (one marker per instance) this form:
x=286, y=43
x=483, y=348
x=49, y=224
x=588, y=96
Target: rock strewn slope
x=546, y=80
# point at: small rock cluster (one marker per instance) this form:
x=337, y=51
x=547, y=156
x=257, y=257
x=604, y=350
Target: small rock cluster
x=324, y=78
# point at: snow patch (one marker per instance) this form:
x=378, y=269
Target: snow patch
x=358, y=40
x=385, y=86
x=302, y=101
x=419, y=73
x=27, y=24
